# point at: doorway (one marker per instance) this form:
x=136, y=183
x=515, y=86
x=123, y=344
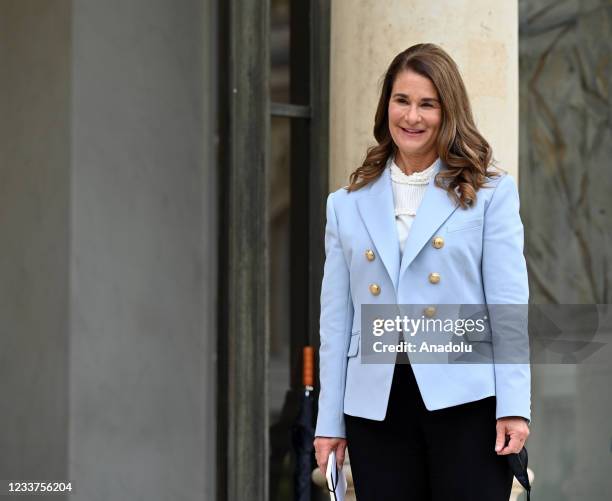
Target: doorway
x=273, y=158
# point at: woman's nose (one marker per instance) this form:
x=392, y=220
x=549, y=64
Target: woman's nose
x=412, y=114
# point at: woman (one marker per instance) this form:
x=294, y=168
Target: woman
x=424, y=221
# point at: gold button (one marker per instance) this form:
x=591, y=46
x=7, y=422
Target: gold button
x=438, y=242
x=430, y=311
x=375, y=289
x=369, y=254
x=434, y=278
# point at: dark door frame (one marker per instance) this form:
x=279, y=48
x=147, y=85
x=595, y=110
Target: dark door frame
x=244, y=124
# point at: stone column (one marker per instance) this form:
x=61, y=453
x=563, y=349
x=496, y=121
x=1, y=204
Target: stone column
x=108, y=205
x=35, y=235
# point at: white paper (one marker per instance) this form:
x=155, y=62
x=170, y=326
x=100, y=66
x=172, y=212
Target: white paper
x=336, y=480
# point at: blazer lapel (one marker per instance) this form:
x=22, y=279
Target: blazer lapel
x=435, y=208
x=377, y=211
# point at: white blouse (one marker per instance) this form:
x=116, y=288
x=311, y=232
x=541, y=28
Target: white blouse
x=408, y=193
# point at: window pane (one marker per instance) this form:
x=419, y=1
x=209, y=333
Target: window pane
x=281, y=458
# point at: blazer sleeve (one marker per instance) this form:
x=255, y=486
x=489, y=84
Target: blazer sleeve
x=506, y=288
x=335, y=325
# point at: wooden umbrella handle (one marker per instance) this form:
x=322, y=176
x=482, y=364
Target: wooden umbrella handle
x=308, y=366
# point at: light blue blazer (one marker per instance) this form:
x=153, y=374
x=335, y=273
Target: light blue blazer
x=481, y=262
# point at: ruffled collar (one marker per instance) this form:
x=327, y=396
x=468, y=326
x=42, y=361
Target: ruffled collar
x=421, y=177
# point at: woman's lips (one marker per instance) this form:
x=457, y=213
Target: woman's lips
x=412, y=132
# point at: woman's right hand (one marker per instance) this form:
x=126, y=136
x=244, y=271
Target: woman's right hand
x=323, y=446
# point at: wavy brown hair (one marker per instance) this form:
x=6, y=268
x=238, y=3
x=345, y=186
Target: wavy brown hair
x=466, y=153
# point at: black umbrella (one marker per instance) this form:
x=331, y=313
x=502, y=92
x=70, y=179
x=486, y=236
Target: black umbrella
x=518, y=465
x=303, y=431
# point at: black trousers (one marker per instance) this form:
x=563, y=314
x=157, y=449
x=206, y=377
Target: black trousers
x=421, y=455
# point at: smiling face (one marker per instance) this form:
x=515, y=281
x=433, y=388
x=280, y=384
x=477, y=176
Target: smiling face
x=415, y=116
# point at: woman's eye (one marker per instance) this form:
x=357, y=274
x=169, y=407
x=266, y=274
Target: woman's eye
x=428, y=105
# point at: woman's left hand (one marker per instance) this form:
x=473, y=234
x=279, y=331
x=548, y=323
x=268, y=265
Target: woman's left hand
x=516, y=429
